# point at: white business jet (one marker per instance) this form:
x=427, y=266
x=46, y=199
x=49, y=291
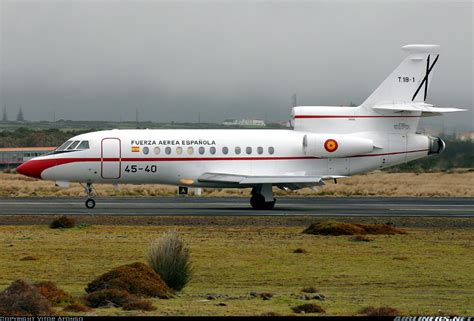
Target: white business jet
x=326, y=143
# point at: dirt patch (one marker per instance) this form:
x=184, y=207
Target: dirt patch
x=300, y=251
x=136, y=278
x=308, y=308
x=29, y=258
x=23, y=299
x=310, y=289
x=63, y=222
x=336, y=228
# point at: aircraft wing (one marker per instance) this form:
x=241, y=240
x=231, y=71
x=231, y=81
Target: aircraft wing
x=252, y=180
x=426, y=109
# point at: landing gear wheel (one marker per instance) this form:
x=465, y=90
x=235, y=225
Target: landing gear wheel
x=258, y=202
x=90, y=203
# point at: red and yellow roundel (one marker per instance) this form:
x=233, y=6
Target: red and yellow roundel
x=330, y=145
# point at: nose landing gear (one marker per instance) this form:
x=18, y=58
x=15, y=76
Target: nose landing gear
x=262, y=197
x=90, y=203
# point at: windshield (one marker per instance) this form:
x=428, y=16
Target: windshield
x=64, y=146
x=73, y=145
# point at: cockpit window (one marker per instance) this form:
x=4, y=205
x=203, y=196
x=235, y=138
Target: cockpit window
x=64, y=146
x=73, y=145
x=83, y=145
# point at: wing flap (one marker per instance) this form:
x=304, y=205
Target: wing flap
x=253, y=180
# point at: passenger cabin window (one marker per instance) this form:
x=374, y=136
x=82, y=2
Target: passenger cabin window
x=64, y=146
x=83, y=145
x=190, y=150
x=146, y=150
x=225, y=150
x=248, y=150
x=73, y=145
x=168, y=150
x=237, y=150
x=157, y=151
x=179, y=150
x=271, y=150
x=201, y=150
x=260, y=150
x=212, y=150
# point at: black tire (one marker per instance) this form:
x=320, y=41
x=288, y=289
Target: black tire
x=90, y=203
x=258, y=202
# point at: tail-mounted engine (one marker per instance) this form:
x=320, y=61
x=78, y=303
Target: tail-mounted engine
x=437, y=145
x=335, y=145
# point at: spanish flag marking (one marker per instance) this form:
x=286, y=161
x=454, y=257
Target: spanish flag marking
x=330, y=145
x=135, y=149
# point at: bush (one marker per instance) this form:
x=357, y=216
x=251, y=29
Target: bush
x=107, y=297
x=266, y=295
x=310, y=289
x=136, y=278
x=340, y=228
x=63, y=222
x=308, y=308
x=54, y=294
x=76, y=307
x=380, y=312
x=139, y=304
x=169, y=257
x=300, y=251
x=23, y=299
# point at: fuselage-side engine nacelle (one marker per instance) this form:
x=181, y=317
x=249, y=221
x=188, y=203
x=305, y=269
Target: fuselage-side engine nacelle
x=335, y=145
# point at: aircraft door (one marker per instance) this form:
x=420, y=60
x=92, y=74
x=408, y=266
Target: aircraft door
x=110, y=158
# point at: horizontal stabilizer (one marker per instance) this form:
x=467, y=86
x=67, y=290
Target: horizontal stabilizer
x=253, y=180
x=426, y=109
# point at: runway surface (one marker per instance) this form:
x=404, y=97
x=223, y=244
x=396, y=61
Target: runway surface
x=163, y=206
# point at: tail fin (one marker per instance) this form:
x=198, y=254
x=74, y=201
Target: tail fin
x=410, y=81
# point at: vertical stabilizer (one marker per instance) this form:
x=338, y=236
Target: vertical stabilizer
x=410, y=81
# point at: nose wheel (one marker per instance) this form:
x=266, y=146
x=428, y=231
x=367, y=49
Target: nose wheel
x=90, y=203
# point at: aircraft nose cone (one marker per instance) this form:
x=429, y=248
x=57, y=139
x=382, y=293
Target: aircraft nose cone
x=30, y=168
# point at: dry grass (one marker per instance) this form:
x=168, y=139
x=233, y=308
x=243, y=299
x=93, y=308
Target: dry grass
x=233, y=261
x=457, y=184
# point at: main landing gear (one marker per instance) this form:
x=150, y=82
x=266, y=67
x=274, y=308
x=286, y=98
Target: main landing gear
x=262, y=197
x=90, y=203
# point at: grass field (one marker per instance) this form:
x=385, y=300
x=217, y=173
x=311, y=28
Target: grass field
x=455, y=184
x=429, y=271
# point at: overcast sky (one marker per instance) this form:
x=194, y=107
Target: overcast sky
x=224, y=59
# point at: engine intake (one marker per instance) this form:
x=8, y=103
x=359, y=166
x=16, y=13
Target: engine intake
x=335, y=145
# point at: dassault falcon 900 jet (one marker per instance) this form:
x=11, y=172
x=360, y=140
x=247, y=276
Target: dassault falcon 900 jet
x=325, y=143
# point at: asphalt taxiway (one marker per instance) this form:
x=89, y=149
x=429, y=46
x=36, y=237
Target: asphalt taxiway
x=221, y=206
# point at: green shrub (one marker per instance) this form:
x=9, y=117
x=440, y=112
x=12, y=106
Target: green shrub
x=308, y=308
x=170, y=258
